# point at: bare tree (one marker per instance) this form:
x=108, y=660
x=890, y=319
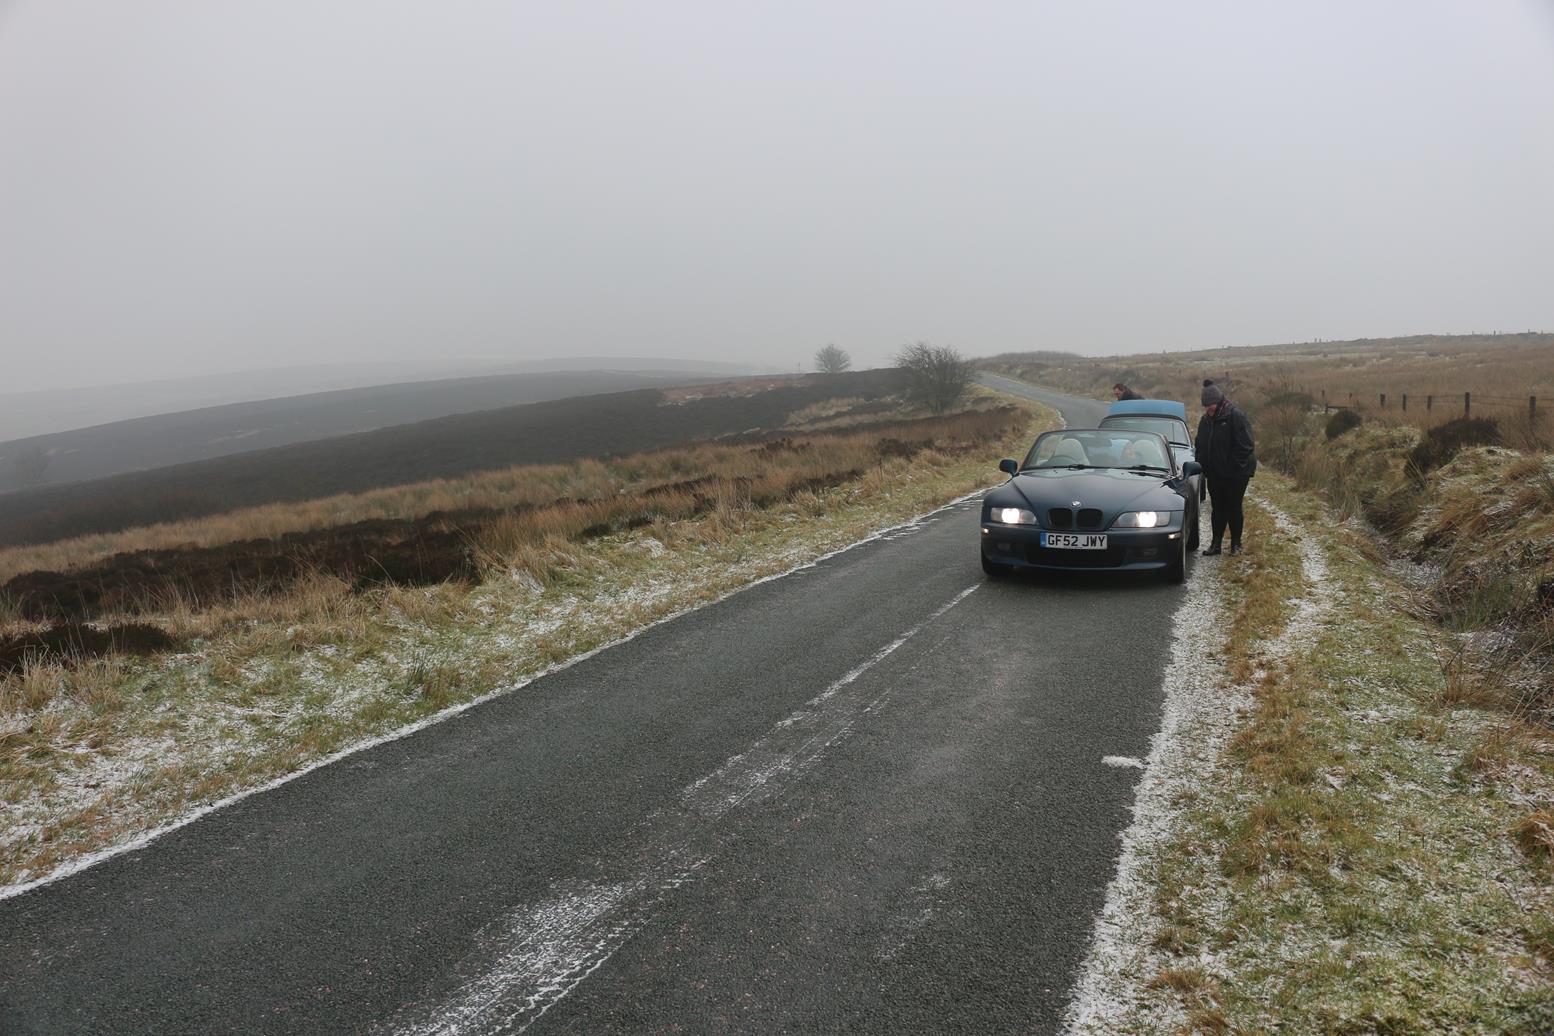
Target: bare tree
x=28, y=465
x=937, y=375
x=831, y=360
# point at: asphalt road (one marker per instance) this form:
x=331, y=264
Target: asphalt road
x=866, y=797
x=1077, y=411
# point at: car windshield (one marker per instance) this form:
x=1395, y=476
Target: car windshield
x=1174, y=430
x=1103, y=448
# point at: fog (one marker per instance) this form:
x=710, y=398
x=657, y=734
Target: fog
x=189, y=188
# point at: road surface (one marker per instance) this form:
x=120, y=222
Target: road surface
x=867, y=797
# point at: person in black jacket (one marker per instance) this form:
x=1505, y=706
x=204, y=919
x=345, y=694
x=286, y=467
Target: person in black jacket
x=1122, y=392
x=1225, y=449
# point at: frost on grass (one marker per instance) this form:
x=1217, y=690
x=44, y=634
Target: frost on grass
x=1114, y=992
x=1397, y=901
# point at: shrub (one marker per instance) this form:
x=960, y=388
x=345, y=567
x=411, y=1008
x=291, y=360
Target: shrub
x=1392, y=509
x=937, y=374
x=831, y=360
x=1342, y=421
x=1443, y=442
x=1291, y=398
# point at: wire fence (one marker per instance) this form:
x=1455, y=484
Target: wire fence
x=1445, y=404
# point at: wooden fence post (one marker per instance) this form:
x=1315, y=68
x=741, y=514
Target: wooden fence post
x=1467, y=403
x=1384, y=401
x=1429, y=402
x=1405, y=402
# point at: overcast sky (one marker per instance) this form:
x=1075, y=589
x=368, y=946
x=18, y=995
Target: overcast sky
x=212, y=185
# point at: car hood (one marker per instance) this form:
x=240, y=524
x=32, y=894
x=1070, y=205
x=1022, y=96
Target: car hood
x=1110, y=491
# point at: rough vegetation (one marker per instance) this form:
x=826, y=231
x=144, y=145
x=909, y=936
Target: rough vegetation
x=1444, y=441
x=69, y=643
x=554, y=432
x=207, y=571
x=1501, y=372
x=1363, y=858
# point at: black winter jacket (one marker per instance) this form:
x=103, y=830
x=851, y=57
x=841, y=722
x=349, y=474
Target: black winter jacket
x=1224, y=445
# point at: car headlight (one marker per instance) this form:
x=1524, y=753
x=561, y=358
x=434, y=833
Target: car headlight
x=1011, y=515
x=1144, y=519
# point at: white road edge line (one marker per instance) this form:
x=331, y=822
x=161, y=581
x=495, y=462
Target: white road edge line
x=545, y=950
x=141, y=841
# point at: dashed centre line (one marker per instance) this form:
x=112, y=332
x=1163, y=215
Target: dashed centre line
x=538, y=953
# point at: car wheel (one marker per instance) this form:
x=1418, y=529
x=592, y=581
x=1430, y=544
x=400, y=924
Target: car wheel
x=1176, y=568
x=997, y=571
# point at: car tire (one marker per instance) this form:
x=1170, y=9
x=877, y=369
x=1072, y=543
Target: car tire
x=1176, y=568
x=995, y=570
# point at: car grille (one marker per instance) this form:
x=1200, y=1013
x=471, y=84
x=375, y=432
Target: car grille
x=1063, y=518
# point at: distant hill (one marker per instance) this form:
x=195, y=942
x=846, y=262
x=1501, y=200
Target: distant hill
x=45, y=411
x=176, y=438
x=555, y=431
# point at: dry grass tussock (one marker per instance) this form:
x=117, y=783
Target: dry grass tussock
x=718, y=485
x=1478, y=529
x=575, y=495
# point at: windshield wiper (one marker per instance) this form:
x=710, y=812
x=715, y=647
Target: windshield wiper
x=1145, y=469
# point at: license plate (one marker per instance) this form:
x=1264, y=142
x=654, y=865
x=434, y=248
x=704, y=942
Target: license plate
x=1074, y=540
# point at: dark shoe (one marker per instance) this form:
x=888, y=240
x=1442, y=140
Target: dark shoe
x=1235, y=548
x=1213, y=550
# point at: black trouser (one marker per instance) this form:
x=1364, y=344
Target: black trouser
x=1226, y=493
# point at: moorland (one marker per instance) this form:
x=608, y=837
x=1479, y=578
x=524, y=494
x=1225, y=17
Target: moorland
x=1500, y=371
x=549, y=432
x=143, y=443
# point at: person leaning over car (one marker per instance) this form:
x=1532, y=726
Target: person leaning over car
x=1225, y=449
x=1122, y=392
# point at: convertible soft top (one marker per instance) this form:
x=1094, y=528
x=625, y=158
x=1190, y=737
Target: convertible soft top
x=1157, y=407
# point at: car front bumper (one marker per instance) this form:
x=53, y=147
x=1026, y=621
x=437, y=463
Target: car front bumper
x=1127, y=550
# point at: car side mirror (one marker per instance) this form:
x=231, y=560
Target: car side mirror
x=1192, y=468
x=1009, y=467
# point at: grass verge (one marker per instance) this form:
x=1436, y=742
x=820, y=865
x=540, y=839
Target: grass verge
x=1360, y=860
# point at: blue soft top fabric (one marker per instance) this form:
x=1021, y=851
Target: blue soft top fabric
x=1161, y=407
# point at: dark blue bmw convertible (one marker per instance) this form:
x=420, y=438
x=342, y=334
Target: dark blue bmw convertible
x=1101, y=498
